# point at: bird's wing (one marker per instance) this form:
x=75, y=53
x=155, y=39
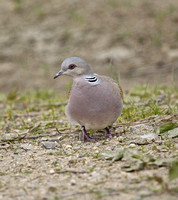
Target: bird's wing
x=115, y=85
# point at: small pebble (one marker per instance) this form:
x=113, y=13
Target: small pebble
x=26, y=146
x=132, y=145
x=49, y=145
x=68, y=146
x=61, y=121
x=148, y=136
x=54, y=133
x=51, y=171
x=120, y=138
x=73, y=182
x=44, y=139
x=77, y=147
x=29, y=119
x=94, y=174
x=7, y=137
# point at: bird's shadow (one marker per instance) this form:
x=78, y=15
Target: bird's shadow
x=96, y=136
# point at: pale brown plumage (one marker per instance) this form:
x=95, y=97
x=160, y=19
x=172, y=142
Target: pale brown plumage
x=95, y=101
x=94, y=106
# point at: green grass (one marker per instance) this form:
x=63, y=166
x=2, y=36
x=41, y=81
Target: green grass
x=140, y=103
x=144, y=101
x=166, y=127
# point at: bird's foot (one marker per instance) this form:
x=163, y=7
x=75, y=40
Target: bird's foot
x=108, y=133
x=88, y=138
x=85, y=135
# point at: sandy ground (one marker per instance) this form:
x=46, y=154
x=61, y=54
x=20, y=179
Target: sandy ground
x=135, y=41
x=55, y=164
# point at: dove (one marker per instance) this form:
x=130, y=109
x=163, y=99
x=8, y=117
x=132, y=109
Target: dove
x=95, y=101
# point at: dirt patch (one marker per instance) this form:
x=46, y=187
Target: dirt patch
x=69, y=169
x=136, y=41
x=42, y=156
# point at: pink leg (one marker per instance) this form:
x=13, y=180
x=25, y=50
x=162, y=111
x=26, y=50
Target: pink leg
x=108, y=133
x=85, y=135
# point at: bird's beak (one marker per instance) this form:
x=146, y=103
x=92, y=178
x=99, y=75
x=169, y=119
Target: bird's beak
x=58, y=74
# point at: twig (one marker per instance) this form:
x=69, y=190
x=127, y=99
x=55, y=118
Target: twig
x=57, y=130
x=13, y=139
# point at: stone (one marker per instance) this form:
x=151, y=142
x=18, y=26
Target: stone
x=49, y=145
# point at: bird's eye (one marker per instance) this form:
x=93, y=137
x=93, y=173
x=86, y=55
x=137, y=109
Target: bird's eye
x=72, y=66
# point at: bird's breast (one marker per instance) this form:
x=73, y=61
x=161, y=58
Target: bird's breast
x=88, y=104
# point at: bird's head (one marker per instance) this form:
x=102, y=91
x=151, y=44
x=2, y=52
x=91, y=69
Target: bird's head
x=74, y=66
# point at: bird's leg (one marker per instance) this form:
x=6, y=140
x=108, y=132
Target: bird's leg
x=85, y=135
x=108, y=133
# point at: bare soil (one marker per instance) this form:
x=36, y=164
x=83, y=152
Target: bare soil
x=32, y=168
x=136, y=41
